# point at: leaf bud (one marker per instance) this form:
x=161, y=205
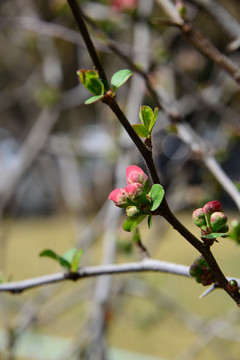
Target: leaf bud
x=232, y=285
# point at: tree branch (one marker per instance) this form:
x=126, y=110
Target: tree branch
x=200, y=42
x=76, y=11
x=147, y=265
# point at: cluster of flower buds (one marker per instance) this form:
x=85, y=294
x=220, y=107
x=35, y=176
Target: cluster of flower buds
x=210, y=219
x=201, y=271
x=134, y=197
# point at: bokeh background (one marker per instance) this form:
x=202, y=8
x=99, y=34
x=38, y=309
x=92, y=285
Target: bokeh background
x=60, y=159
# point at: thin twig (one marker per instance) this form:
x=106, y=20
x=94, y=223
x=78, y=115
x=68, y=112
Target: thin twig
x=91, y=48
x=200, y=42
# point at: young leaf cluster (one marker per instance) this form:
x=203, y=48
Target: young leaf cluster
x=148, y=119
x=69, y=260
x=92, y=82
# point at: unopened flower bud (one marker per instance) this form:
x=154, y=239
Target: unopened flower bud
x=233, y=285
x=119, y=197
x=217, y=221
x=134, y=191
x=212, y=207
x=199, y=217
x=135, y=174
x=132, y=211
x=201, y=271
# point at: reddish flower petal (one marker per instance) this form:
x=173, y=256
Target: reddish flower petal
x=135, y=174
x=119, y=197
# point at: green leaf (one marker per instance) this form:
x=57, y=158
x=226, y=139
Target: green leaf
x=215, y=235
x=75, y=261
x=145, y=115
x=69, y=254
x=49, y=253
x=120, y=77
x=153, y=120
x=141, y=130
x=156, y=194
x=131, y=223
x=64, y=263
x=90, y=79
x=149, y=221
x=95, y=86
x=93, y=99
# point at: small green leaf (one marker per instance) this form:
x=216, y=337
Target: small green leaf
x=75, y=261
x=156, y=194
x=145, y=115
x=141, y=130
x=95, y=86
x=215, y=235
x=153, y=120
x=131, y=223
x=149, y=221
x=120, y=77
x=49, y=253
x=93, y=99
x=64, y=263
x=90, y=79
x=69, y=254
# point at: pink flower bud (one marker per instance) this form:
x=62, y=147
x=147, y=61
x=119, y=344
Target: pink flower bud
x=119, y=197
x=217, y=221
x=199, y=218
x=132, y=211
x=135, y=174
x=212, y=207
x=134, y=190
x=121, y=5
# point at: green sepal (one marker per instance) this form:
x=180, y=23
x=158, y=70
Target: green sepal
x=120, y=77
x=93, y=99
x=156, y=194
x=215, y=235
x=131, y=223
